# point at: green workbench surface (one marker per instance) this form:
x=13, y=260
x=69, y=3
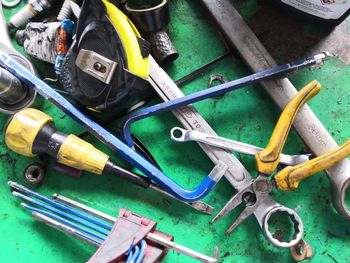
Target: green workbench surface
x=247, y=115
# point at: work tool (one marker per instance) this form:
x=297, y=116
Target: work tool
x=151, y=18
x=14, y=95
x=31, y=132
x=216, y=91
x=236, y=173
x=310, y=129
x=268, y=159
x=114, y=235
x=110, y=140
x=22, y=17
x=181, y=135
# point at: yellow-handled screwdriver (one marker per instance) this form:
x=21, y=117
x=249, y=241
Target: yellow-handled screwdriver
x=31, y=132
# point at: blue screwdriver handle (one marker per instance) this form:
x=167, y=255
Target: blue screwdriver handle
x=106, y=137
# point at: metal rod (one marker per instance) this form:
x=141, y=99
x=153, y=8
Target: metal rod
x=267, y=74
x=200, y=70
x=64, y=221
x=67, y=229
x=180, y=248
x=71, y=210
x=150, y=236
x=62, y=213
x=83, y=207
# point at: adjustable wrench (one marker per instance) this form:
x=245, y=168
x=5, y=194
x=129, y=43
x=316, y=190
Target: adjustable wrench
x=310, y=129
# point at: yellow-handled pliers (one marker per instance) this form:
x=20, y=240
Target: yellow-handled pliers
x=268, y=159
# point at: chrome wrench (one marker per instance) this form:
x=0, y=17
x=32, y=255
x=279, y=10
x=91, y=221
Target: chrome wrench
x=236, y=173
x=181, y=135
x=309, y=127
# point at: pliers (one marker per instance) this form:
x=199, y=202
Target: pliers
x=268, y=159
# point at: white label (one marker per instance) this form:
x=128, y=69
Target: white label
x=326, y=9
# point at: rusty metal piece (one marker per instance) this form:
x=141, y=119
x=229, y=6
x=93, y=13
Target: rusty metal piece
x=301, y=251
x=34, y=174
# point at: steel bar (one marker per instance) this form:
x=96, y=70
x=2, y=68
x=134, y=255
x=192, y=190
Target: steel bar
x=267, y=74
x=67, y=229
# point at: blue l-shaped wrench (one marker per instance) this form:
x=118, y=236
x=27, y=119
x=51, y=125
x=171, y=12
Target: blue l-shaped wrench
x=218, y=90
x=109, y=139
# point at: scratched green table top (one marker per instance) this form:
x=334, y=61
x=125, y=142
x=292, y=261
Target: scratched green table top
x=247, y=115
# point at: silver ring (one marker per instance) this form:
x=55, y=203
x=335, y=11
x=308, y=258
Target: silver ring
x=7, y=3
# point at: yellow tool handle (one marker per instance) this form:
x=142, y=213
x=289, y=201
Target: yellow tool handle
x=77, y=153
x=290, y=177
x=268, y=159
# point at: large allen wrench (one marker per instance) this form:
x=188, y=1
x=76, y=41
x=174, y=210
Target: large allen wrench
x=267, y=74
x=110, y=140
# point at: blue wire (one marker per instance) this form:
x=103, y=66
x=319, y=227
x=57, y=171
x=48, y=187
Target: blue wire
x=136, y=254
x=142, y=252
x=128, y=260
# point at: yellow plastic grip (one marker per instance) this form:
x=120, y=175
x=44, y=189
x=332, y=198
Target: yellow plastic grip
x=23, y=128
x=290, y=177
x=268, y=159
x=128, y=35
x=77, y=153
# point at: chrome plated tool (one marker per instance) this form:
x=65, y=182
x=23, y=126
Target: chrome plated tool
x=309, y=127
x=181, y=135
x=14, y=96
x=268, y=159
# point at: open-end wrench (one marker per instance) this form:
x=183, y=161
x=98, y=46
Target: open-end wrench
x=310, y=129
x=181, y=135
x=236, y=173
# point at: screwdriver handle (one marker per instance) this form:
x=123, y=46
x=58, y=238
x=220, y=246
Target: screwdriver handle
x=268, y=159
x=290, y=177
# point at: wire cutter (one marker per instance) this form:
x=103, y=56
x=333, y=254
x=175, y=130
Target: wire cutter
x=267, y=160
